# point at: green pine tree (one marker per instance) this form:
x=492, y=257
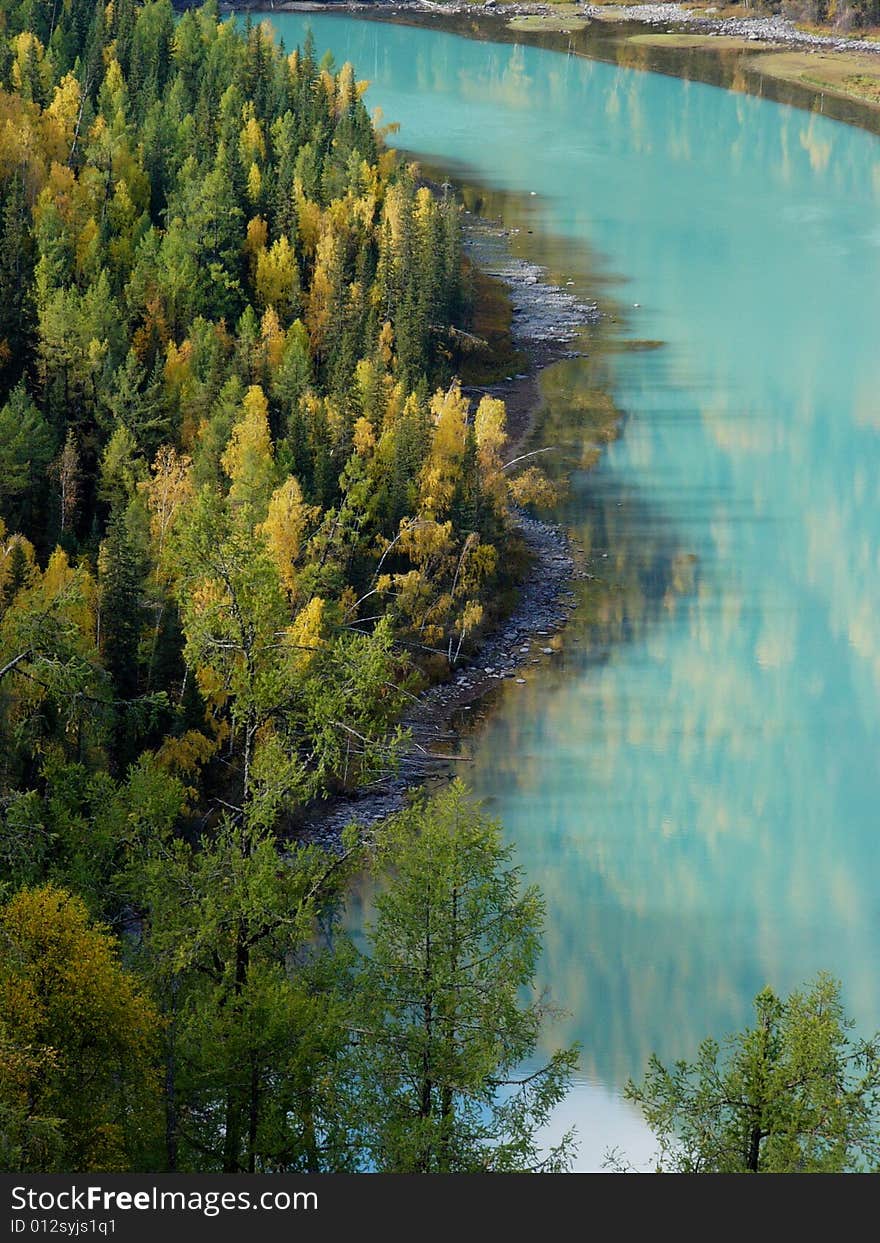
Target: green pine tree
x=444, y=1065
x=122, y=614
x=793, y=1094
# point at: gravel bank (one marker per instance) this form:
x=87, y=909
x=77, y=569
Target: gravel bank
x=760, y=29
x=544, y=316
x=546, y=322
x=514, y=651
x=777, y=29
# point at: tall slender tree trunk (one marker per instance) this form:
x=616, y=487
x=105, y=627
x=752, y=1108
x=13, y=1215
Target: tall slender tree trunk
x=235, y=1095
x=253, y=1115
x=310, y=1139
x=427, y=1086
x=171, y=1083
x=446, y=1095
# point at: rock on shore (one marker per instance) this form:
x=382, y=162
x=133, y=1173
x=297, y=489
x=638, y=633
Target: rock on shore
x=543, y=314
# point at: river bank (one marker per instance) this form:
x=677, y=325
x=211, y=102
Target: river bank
x=776, y=29
x=529, y=637
x=821, y=70
x=669, y=781
x=544, y=326
x=546, y=322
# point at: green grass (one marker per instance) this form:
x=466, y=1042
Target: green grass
x=852, y=75
x=561, y=23
x=706, y=42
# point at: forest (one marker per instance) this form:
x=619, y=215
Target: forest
x=246, y=512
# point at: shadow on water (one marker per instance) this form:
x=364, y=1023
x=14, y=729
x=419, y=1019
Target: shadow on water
x=691, y=778
x=640, y=570
x=637, y=564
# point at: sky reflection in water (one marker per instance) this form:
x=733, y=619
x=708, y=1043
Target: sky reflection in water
x=695, y=786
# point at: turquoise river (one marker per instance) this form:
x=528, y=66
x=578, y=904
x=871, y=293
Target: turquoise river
x=693, y=780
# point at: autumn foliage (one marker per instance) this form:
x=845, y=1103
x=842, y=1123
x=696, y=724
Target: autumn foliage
x=245, y=510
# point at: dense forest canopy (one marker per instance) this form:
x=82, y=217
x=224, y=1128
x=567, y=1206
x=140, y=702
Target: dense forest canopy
x=245, y=509
x=237, y=508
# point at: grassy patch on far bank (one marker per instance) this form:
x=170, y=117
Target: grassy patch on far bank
x=852, y=75
x=707, y=42
x=559, y=22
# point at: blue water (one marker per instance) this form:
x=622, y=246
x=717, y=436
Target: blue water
x=695, y=783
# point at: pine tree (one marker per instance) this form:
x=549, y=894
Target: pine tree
x=121, y=611
x=138, y=402
x=16, y=274
x=68, y=472
x=257, y=1020
x=77, y=1042
x=18, y=573
x=452, y=947
x=26, y=448
x=793, y=1094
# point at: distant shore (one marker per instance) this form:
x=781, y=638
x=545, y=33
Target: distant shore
x=764, y=28
x=819, y=69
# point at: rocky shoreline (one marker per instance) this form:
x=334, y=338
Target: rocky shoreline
x=527, y=639
x=764, y=29
x=545, y=317
x=776, y=29
x=546, y=321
